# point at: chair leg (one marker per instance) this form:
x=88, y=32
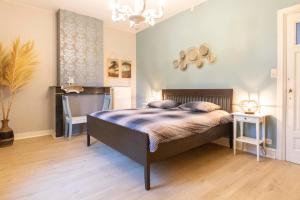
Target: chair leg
x=66, y=125
x=70, y=130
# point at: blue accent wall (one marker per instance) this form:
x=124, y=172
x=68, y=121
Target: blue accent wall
x=243, y=35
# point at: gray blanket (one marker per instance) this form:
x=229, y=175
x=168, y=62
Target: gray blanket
x=163, y=125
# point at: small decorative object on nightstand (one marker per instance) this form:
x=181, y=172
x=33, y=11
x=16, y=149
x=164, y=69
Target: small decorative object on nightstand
x=257, y=119
x=249, y=106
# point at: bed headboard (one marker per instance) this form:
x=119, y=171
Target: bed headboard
x=222, y=97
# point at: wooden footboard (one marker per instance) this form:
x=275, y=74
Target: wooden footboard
x=133, y=144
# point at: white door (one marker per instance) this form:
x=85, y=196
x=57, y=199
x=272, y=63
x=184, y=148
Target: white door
x=293, y=89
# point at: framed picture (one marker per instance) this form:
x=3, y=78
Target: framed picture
x=113, y=68
x=126, y=69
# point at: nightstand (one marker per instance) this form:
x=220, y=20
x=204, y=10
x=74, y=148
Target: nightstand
x=257, y=119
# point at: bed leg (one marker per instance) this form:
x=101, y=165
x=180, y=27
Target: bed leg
x=147, y=176
x=231, y=137
x=88, y=141
x=230, y=143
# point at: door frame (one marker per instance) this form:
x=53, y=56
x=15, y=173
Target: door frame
x=282, y=78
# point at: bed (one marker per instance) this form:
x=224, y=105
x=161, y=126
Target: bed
x=138, y=143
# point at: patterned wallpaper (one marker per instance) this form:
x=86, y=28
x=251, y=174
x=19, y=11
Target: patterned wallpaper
x=80, y=49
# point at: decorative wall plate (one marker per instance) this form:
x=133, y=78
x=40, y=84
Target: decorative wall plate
x=182, y=65
x=175, y=64
x=182, y=55
x=204, y=50
x=194, y=56
x=199, y=63
x=211, y=58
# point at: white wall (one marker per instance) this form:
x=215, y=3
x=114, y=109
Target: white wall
x=33, y=109
x=120, y=45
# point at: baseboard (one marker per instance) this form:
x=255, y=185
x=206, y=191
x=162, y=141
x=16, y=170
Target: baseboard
x=26, y=135
x=270, y=152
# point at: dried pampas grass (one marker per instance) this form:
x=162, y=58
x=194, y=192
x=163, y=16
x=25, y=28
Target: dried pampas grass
x=21, y=65
x=3, y=62
x=17, y=67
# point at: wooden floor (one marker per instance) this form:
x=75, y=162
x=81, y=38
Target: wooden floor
x=43, y=168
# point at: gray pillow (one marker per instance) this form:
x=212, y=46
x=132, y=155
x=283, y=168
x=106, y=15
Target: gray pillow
x=199, y=106
x=165, y=104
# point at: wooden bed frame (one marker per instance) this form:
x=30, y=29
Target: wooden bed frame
x=135, y=144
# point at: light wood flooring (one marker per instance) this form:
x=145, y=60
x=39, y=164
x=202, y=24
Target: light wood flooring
x=44, y=168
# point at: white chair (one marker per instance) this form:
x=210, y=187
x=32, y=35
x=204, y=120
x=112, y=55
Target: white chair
x=69, y=120
x=107, y=102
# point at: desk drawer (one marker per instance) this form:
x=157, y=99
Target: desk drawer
x=246, y=119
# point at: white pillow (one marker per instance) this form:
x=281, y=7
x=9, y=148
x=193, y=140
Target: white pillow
x=197, y=106
x=165, y=104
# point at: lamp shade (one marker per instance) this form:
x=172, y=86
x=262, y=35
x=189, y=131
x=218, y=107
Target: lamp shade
x=249, y=106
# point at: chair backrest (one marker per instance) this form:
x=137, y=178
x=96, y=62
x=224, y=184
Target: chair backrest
x=66, y=106
x=107, y=105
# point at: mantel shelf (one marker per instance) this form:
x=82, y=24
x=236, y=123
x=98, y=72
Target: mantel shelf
x=87, y=90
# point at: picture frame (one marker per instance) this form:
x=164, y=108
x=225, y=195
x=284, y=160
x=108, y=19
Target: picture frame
x=126, y=68
x=113, y=68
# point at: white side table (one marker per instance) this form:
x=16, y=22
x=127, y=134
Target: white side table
x=257, y=119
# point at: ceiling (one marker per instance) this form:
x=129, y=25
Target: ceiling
x=101, y=8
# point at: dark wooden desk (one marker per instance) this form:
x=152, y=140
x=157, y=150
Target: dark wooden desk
x=59, y=107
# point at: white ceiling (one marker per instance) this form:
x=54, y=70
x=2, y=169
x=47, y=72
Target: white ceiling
x=101, y=8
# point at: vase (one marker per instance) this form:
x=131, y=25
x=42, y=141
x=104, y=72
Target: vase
x=6, y=134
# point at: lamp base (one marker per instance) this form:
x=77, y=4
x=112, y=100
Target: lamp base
x=250, y=113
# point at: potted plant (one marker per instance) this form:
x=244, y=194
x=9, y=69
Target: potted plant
x=16, y=68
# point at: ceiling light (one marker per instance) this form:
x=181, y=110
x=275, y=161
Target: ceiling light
x=138, y=14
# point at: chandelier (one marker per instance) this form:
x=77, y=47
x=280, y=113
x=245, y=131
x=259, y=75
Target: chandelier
x=138, y=14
